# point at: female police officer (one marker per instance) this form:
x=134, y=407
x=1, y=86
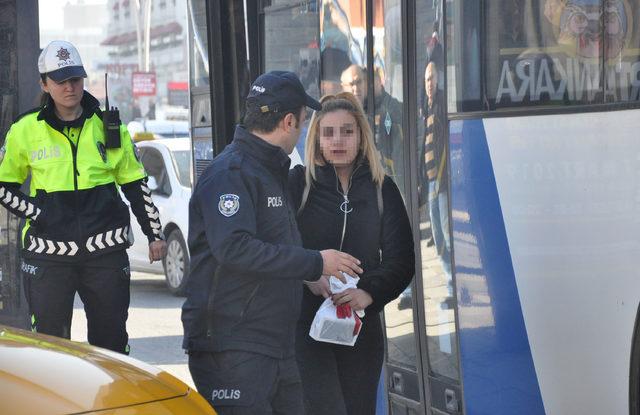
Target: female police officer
x=76, y=231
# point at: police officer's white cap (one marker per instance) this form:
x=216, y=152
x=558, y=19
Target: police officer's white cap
x=60, y=60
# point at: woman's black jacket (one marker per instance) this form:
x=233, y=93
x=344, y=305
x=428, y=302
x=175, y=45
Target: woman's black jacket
x=366, y=235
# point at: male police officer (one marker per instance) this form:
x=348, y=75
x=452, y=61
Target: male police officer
x=244, y=292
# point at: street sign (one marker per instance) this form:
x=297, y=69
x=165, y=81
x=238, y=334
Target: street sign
x=143, y=84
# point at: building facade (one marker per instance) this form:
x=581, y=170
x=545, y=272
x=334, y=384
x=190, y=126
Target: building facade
x=167, y=97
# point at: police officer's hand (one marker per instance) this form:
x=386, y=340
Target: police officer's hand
x=334, y=262
x=320, y=287
x=357, y=298
x=157, y=250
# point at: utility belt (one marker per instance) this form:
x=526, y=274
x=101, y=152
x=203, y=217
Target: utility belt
x=101, y=242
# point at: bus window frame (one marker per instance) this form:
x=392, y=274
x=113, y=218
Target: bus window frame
x=634, y=368
x=544, y=110
x=520, y=110
x=410, y=117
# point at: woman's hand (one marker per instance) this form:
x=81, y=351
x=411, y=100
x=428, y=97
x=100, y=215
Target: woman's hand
x=320, y=287
x=356, y=298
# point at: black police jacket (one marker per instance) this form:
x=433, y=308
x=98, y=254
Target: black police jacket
x=321, y=224
x=247, y=263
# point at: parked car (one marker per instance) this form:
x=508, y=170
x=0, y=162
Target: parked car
x=42, y=374
x=168, y=165
x=142, y=129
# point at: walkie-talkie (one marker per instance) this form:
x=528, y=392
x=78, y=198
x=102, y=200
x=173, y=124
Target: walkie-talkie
x=111, y=121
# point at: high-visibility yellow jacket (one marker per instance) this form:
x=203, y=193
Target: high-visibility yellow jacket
x=73, y=209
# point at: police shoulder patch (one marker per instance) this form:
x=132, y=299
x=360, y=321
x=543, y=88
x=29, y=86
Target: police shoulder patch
x=229, y=204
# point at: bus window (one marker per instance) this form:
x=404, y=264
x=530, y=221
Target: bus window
x=343, y=39
x=198, y=44
x=199, y=66
x=291, y=41
x=433, y=173
x=291, y=44
x=463, y=56
x=200, y=92
x=387, y=88
x=621, y=55
x=558, y=52
x=543, y=52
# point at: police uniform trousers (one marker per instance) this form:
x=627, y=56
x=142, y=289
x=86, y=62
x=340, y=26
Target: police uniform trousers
x=337, y=379
x=103, y=286
x=238, y=382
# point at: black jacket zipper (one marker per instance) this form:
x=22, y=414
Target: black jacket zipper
x=344, y=207
x=74, y=153
x=76, y=173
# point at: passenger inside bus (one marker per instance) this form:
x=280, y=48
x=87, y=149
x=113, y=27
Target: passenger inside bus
x=436, y=178
x=388, y=119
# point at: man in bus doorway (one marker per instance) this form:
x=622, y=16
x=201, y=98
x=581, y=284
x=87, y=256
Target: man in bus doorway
x=435, y=167
x=247, y=262
x=387, y=118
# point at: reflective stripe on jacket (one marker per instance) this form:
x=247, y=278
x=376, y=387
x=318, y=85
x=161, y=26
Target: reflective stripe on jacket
x=73, y=210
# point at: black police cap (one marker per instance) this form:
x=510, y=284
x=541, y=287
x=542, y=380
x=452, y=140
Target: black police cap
x=279, y=91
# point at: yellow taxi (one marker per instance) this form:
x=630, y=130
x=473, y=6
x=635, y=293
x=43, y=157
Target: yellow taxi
x=42, y=374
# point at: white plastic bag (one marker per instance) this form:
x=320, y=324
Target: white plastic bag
x=339, y=325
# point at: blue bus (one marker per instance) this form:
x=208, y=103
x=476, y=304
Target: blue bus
x=511, y=128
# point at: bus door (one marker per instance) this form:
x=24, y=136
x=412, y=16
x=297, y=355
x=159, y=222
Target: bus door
x=423, y=373
x=388, y=95
x=436, y=266
x=361, y=51
x=374, y=49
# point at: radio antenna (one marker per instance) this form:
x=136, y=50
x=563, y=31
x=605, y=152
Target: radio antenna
x=106, y=93
x=111, y=120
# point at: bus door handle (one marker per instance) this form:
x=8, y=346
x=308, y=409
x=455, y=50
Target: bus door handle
x=451, y=402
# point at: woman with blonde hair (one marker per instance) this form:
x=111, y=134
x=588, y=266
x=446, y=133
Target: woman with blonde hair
x=346, y=202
